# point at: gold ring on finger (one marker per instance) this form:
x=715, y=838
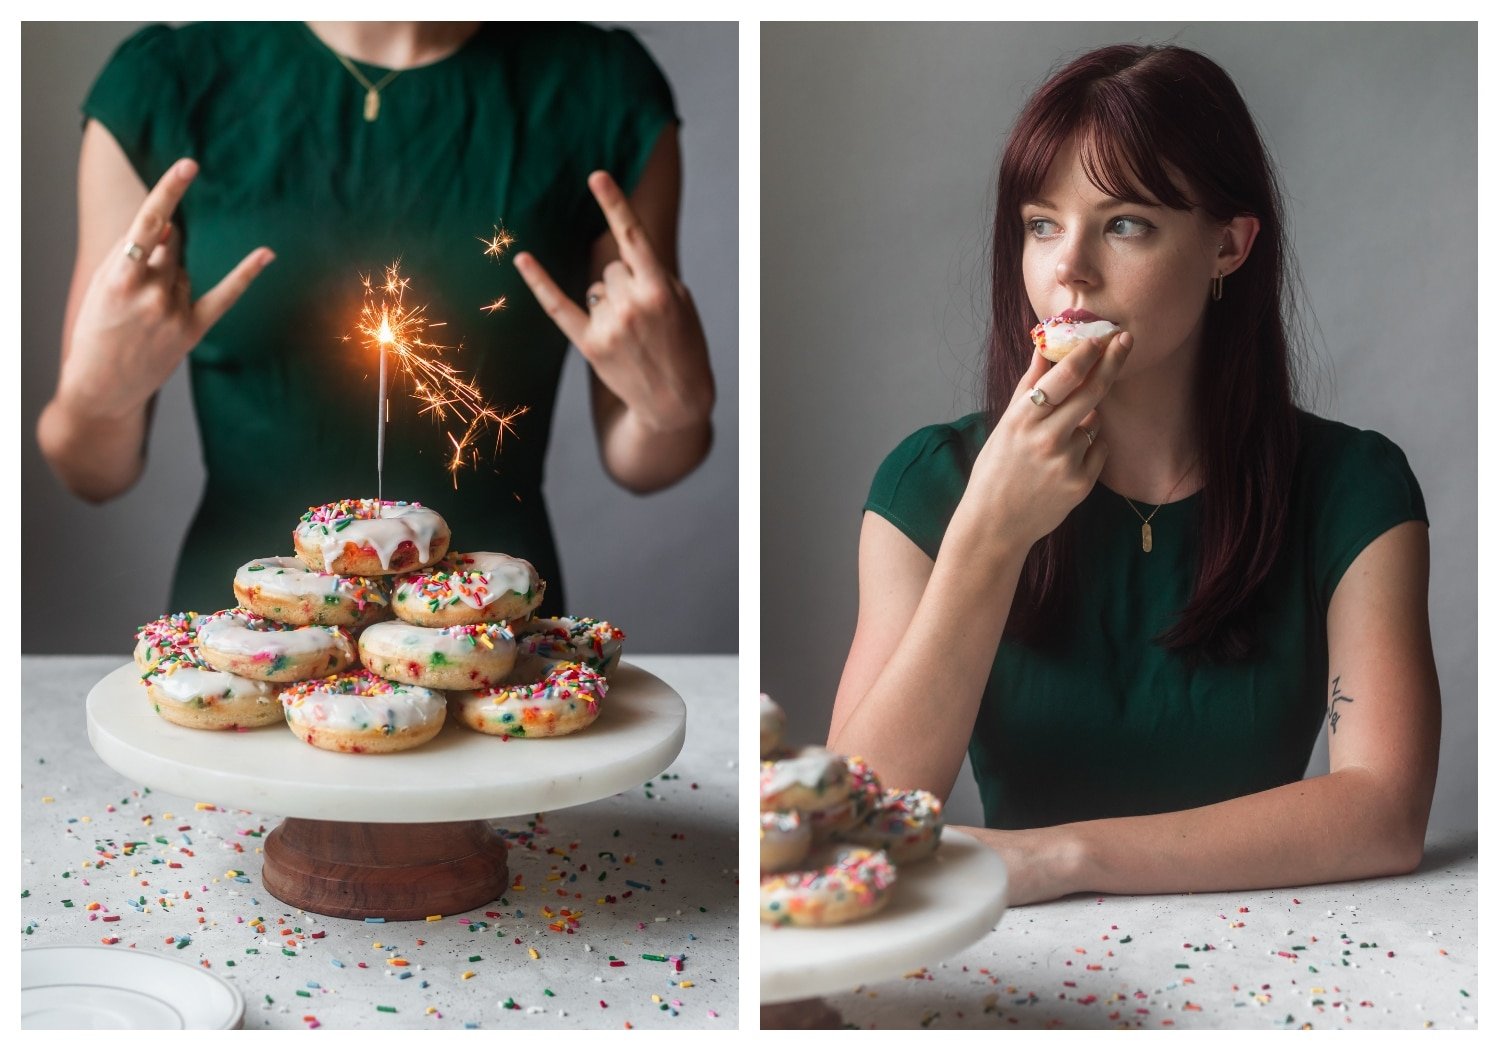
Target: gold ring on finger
x=1090, y=433
x=1039, y=397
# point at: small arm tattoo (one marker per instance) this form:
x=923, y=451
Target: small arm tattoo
x=1334, y=715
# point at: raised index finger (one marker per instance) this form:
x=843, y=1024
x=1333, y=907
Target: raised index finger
x=627, y=228
x=161, y=202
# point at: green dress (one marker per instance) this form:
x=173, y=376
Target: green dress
x=1112, y=724
x=503, y=131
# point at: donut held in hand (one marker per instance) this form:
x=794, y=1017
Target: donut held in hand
x=1062, y=334
x=370, y=538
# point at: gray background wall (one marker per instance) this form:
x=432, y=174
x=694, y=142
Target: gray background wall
x=668, y=574
x=878, y=154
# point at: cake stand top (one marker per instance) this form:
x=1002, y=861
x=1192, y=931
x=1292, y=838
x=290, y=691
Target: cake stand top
x=458, y=776
x=939, y=907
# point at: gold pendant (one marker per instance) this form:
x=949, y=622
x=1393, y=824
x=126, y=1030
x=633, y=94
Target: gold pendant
x=1145, y=536
x=372, y=104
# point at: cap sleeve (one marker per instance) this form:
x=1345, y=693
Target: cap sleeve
x=138, y=97
x=1368, y=487
x=918, y=486
x=639, y=106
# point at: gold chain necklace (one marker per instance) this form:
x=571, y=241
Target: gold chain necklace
x=1146, y=519
x=372, y=91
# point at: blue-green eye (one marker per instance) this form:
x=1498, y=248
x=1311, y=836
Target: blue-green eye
x=1129, y=226
x=1041, y=227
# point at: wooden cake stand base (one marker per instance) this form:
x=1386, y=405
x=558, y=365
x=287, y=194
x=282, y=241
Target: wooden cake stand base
x=390, y=870
x=401, y=836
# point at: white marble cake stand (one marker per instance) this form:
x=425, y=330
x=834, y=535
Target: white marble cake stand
x=400, y=835
x=939, y=907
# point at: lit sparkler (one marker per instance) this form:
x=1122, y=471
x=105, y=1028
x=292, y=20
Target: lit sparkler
x=397, y=333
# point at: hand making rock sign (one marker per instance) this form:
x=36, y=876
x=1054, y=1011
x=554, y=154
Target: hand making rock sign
x=653, y=388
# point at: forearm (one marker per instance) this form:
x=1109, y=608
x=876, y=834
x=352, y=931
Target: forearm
x=645, y=457
x=96, y=457
x=914, y=722
x=1340, y=826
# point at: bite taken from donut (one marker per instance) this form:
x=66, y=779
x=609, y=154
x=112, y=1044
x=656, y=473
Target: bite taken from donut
x=282, y=589
x=361, y=712
x=469, y=588
x=370, y=538
x=1062, y=334
x=460, y=657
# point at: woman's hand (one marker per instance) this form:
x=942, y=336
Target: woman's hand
x=640, y=331
x=137, y=319
x=1040, y=864
x=1042, y=460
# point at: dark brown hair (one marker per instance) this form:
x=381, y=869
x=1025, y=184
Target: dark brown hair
x=1139, y=115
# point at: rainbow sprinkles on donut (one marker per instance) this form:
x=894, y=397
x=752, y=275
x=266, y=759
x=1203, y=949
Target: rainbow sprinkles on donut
x=352, y=642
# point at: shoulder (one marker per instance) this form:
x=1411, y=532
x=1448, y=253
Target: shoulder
x=1337, y=455
x=920, y=482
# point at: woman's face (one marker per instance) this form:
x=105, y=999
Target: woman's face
x=1146, y=268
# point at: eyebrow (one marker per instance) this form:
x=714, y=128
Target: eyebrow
x=1107, y=203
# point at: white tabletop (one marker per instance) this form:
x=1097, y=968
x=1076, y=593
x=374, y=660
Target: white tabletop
x=649, y=873
x=1399, y=952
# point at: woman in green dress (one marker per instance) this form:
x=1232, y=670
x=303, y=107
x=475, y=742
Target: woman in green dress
x=334, y=149
x=1135, y=586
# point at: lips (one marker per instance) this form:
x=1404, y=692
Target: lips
x=1073, y=314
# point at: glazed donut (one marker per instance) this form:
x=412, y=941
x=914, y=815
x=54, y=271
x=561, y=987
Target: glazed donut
x=855, y=885
x=1059, y=336
x=238, y=641
x=282, y=589
x=784, y=840
x=567, y=700
x=370, y=538
x=864, y=797
x=185, y=690
x=579, y=639
x=772, y=726
x=471, y=588
x=812, y=779
x=166, y=635
x=907, y=826
x=456, y=658
x=361, y=712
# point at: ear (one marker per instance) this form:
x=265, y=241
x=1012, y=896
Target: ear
x=1235, y=241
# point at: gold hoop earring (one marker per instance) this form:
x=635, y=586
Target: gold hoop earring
x=1216, y=287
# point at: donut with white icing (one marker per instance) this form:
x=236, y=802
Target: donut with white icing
x=468, y=588
x=864, y=797
x=772, y=726
x=370, y=538
x=564, y=702
x=185, y=690
x=281, y=588
x=584, y=640
x=237, y=641
x=359, y=712
x=784, y=840
x=812, y=779
x=460, y=657
x=1058, y=336
x=907, y=826
x=855, y=884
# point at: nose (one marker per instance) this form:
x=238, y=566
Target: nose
x=1074, y=265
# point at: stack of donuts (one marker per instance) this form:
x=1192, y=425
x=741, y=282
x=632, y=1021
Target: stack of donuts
x=830, y=836
x=355, y=639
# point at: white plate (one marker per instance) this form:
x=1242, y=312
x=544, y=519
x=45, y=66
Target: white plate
x=939, y=907
x=97, y=988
